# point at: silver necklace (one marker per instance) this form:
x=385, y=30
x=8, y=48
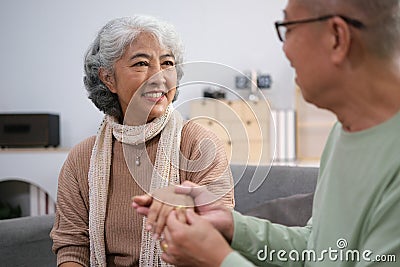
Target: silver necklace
x=137, y=159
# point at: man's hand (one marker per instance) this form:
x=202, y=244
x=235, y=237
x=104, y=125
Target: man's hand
x=195, y=243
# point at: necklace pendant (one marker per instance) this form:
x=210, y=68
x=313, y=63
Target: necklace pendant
x=137, y=161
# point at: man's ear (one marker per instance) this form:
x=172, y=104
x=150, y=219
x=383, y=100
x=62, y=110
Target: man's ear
x=340, y=39
x=107, y=79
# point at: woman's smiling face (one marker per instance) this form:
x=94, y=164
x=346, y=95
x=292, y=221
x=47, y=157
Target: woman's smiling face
x=144, y=78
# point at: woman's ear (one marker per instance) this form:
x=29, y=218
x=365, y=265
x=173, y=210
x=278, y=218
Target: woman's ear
x=107, y=79
x=341, y=39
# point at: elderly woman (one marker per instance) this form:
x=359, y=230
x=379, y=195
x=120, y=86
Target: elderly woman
x=132, y=70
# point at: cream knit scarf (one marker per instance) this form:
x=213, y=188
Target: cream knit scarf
x=165, y=172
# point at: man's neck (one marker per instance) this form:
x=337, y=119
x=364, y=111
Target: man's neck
x=369, y=104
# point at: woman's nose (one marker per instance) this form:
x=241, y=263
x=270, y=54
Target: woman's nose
x=156, y=76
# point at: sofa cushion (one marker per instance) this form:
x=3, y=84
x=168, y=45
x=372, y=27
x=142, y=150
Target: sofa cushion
x=26, y=242
x=294, y=210
x=274, y=182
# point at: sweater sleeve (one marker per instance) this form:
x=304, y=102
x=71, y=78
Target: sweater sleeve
x=235, y=259
x=260, y=240
x=383, y=231
x=206, y=162
x=70, y=231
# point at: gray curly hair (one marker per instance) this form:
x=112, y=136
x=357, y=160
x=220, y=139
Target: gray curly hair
x=110, y=45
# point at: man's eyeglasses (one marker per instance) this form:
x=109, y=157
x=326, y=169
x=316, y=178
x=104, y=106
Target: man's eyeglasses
x=281, y=26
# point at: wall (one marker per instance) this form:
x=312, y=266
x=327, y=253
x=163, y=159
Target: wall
x=43, y=43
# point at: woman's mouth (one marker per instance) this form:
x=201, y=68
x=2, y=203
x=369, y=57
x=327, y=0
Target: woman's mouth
x=154, y=96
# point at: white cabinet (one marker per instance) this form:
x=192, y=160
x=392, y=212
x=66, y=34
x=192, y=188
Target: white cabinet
x=244, y=127
x=313, y=127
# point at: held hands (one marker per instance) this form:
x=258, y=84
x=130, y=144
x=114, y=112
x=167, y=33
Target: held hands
x=205, y=202
x=194, y=243
x=209, y=208
x=188, y=239
x=158, y=206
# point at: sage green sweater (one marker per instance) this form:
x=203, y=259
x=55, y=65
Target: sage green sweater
x=356, y=212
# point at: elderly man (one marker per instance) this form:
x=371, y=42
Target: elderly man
x=346, y=54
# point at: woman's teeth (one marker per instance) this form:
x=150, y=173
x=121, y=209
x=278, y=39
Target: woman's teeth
x=153, y=95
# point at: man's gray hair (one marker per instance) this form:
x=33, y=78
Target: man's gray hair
x=110, y=45
x=381, y=18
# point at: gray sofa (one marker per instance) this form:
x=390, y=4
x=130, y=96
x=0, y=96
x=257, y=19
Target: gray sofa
x=25, y=242
x=284, y=196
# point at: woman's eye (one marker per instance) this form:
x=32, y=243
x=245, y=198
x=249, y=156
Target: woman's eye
x=168, y=63
x=140, y=64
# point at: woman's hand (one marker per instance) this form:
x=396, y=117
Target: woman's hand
x=195, y=243
x=158, y=206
